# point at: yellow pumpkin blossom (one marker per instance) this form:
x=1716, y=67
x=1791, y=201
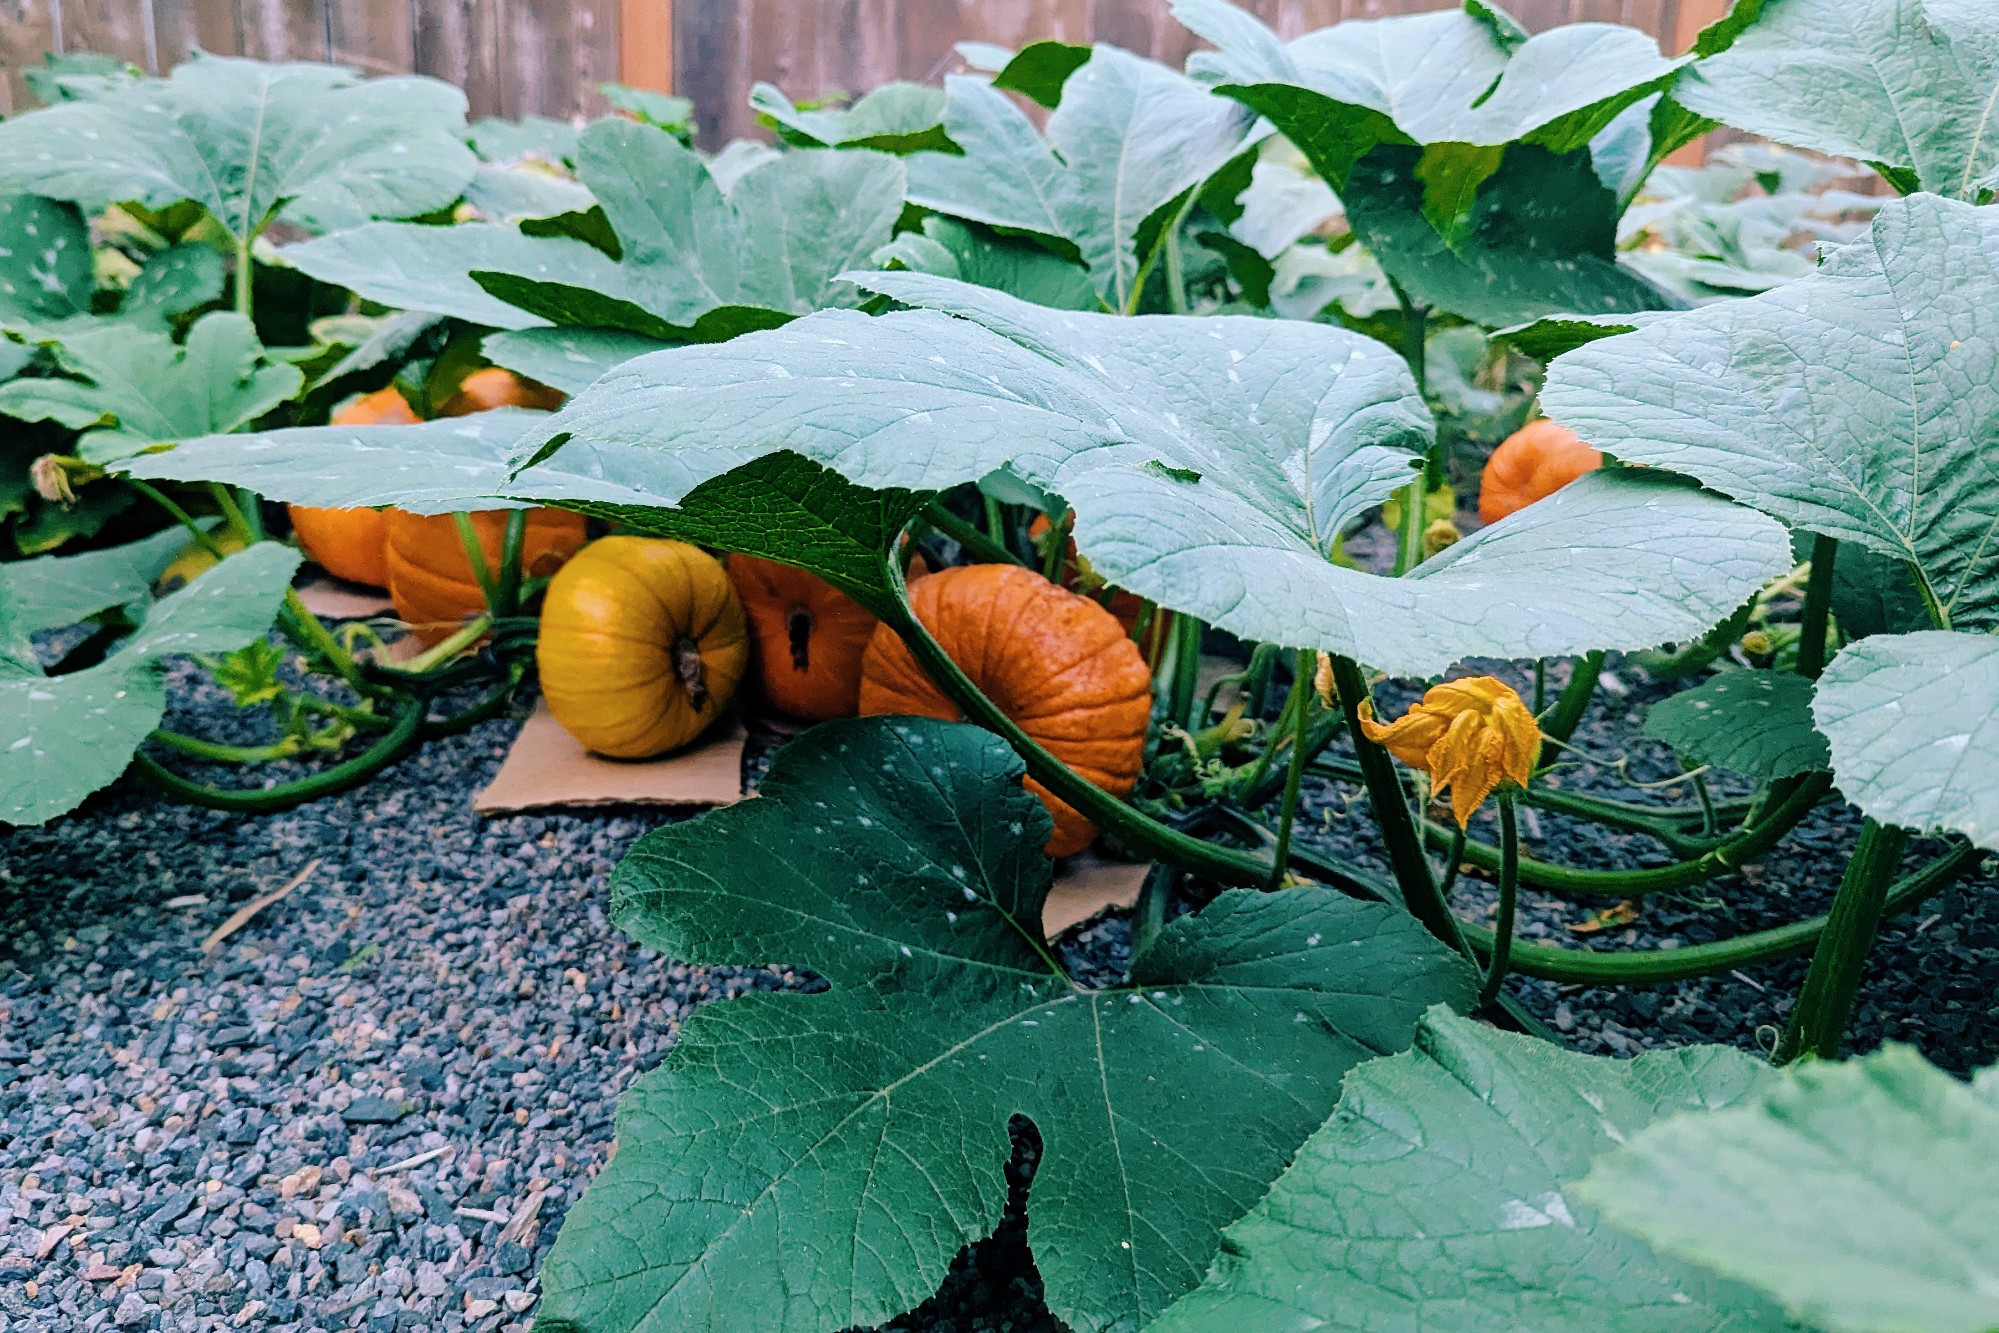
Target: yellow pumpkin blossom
x=1469, y=735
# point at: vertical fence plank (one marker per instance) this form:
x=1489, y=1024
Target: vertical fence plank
x=28, y=29
x=111, y=27
x=459, y=41
x=596, y=29
x=282, y=29
x=372, y=35
x=182, y=27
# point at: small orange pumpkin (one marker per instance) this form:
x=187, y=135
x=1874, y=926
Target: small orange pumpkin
x=430, y=576
x=810, y=637
x=483, y=390
x=348, y=543
x=1056, y=663
x=1126, y=606
x=642, y=645
x=1532, y=464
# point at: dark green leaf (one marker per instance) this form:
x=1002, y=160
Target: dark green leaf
x=1438, y=1197
x=949, y=248
x=813, y=1162
x=894, y=118
x=1756, y=723
x=1038, y=71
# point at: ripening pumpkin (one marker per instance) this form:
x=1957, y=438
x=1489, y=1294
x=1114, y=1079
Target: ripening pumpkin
x=196, y=559
x=430, y=577
x=1126, y=606
x=1056, y=663
x=809, y=637
x=348, y=543
x=642, y=645
x=483, y=390
x=1532, y=464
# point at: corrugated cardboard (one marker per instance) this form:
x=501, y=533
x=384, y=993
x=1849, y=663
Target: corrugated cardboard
x=547, y=767
x=334, y=599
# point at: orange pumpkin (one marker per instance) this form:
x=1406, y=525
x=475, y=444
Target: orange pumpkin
x=1058, y=664
x=348, y=543
x=1532, y=464
x=430, y=576
x=809, y=637
x=484, y=390
x=642, y=645
x=1126, y=606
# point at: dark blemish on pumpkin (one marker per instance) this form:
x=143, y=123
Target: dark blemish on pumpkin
x=798, y=626
x=687, y=664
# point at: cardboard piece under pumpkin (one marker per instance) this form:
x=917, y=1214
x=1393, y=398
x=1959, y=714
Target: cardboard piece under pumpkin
x=546, y=768
x=333, y=599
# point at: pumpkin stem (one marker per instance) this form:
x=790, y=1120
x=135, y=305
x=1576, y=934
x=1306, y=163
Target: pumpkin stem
x=798, y=625
x=693, y=675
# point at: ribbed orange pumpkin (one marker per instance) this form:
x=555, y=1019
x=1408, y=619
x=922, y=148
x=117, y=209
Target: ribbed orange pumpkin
x=809, y=637
x=348, y=543
x=642, y=645
x=1058, y=664
x=484, y=390
x=1532, y=464
x=430, y=577
x=1126, y=606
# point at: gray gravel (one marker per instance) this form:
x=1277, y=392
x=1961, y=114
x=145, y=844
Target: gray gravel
x=369, y=1109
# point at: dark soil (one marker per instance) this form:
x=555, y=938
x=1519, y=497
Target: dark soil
x=193, y=1141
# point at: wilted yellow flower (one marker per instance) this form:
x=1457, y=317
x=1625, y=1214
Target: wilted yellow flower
x=1469, y=735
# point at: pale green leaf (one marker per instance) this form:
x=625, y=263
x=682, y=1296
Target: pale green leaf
x=135, y=388
x=1756, y=723
x=696, y=262
x=56, y=590
x=511, y=193
x=1912, y=85
x=949, y=248
x=810, y=1163
x=1859, y=402
x=1863, y=1195
x=1438, y=1198
x=1914, y=725
x=436, y=467
x=508, y=141
x=243, y=139
x=660, y=110
x=172, y=283
x=1130, y=137
x=569, y=359
x=1212, y=462
x=63, y=737
x=894, y=118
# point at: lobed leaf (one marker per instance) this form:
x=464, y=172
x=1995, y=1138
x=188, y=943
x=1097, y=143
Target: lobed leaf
x=1438, y=1196
x=1861, y=1195
x=1756, y=723
x=63, y=737
x=813, y=1162
x=246, y=139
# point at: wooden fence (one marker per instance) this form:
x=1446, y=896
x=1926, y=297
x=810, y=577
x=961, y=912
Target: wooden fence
x=516, y=57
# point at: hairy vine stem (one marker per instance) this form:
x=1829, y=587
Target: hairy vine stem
x=1818, y=1023
x=1300, y=703
x=1509, y=895
x=393, y=745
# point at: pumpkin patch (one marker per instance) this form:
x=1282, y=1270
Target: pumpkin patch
x=1056, y=663
x=642, y=645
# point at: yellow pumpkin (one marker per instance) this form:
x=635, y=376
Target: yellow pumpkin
x=642, y=645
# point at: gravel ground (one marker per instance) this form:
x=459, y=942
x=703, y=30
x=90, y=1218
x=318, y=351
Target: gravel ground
x=371, y=1107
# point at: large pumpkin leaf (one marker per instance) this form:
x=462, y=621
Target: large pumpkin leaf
x=1461, y=147
x=813, y=1162
x=949, y=248
x=1438, y=1197
x=244, y=139
x=695, y=261
x=1863, y=1195
x=1757, y=723
x=1859, y=402
x=1914, y=725
x=435, y=467
x=135, y=387
x=45, y=266
x=1212, y=463
x=1129, y=138
x=63, y=737
x=57, y=590
x=1908, y=85
x=894, y=118
x=569, y=359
